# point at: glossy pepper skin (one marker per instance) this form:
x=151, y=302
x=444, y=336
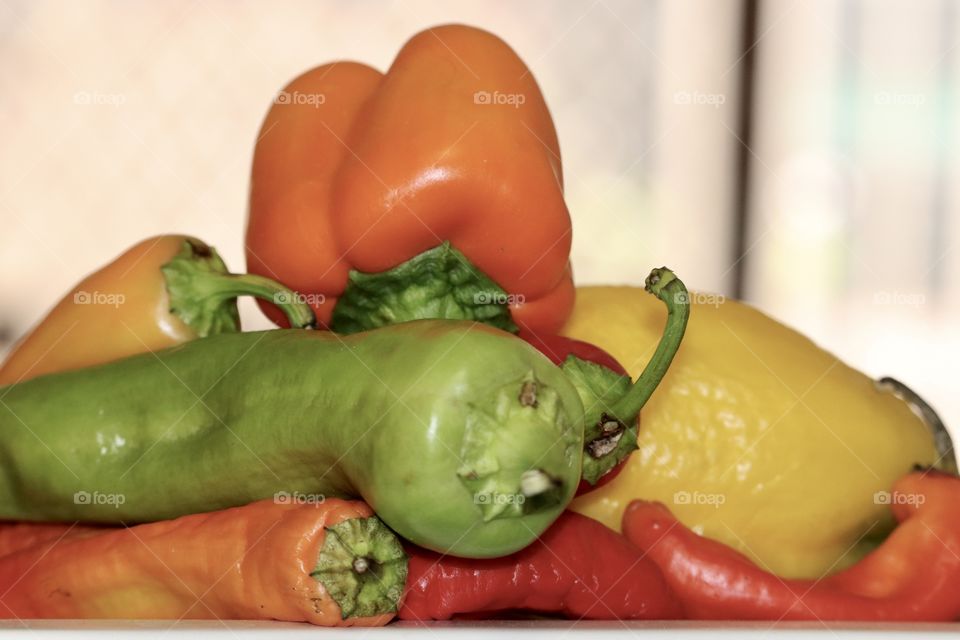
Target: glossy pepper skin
x=463, y=438
x=378, y=168
x=266, y=560
x=161, y=292
x=912, y=576
x=754, y=411
x=578, y=568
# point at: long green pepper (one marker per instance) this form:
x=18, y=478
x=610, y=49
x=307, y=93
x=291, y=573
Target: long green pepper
x=463, y=438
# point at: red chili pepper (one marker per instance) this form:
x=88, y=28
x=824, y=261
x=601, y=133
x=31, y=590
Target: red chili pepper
x=578, y=568
x=912, y=576
x=557, y=349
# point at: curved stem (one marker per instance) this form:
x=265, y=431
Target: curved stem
x=664, y=284
x=218, y=287
x=203, y=293
x=946, y=456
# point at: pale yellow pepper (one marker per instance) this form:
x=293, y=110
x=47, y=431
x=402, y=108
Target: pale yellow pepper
x=159, y=293
x=756, y=436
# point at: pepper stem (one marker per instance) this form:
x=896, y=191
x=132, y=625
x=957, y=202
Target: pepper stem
x=363, y=567
x=504, y=466
x=203, y=293
x=219, y=287
x=439, y=283
x=946, y=456
x=534, y=482
x=664, y=284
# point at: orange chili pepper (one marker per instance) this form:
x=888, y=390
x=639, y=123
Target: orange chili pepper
x=332, y=564
x=357, y=173
x=159, y=293
x=16, y=536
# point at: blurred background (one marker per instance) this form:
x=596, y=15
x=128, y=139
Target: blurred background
x=795, y=153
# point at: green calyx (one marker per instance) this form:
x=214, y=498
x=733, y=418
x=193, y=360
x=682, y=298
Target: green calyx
x=363, y=567
x=607, y=440
x=612, y=404
x=203, y=294
x=502, y=478
x=439, y=283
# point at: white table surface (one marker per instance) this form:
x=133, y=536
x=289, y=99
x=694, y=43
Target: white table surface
x=529, y=630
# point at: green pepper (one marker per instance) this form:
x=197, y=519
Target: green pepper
x=463, y=438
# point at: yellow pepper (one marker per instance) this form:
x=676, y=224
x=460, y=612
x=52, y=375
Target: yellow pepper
x=756, y=437
x=159, y=293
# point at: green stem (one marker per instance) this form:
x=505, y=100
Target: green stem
x=221, y=287
x=504, y=481
x=664, y=284
x=363, y=567
x=438, y=283
x=203, y=293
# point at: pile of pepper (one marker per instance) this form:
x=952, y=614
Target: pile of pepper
x=408, y=444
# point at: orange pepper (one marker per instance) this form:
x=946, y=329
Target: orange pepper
x=16, y=536
x=161, y=292
x=261, y=561
x=359, y=172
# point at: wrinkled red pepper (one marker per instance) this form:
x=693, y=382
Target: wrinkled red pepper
x=913, y=576
x=558, y=348
x=578, y=568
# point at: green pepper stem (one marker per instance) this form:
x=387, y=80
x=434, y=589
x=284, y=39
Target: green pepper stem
x=363, y=567
x=220, y=287
x=664, y=284
x=203, y=293
x=439, y=283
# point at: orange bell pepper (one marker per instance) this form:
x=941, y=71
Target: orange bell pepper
x=159, y=293
x=358, y=174
x=332, y=564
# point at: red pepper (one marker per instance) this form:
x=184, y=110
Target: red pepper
x=579, y=568
x=558, y=349
x=912, y=576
